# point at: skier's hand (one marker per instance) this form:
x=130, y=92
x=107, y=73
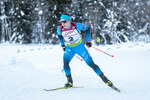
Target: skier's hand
x=88, y=44
x=64, y=47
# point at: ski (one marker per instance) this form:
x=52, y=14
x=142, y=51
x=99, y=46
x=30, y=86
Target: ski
x=116, y=89
x=61, y=88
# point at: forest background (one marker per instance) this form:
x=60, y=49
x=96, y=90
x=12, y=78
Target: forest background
x=36, y=21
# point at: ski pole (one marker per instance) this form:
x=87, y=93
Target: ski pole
x=103, y=52
x=79, y=58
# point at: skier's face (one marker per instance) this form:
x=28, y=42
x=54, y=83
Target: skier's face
x=65, y=23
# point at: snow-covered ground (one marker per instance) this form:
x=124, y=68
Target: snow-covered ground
x=25, y=70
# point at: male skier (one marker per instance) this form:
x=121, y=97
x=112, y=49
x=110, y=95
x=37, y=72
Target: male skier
x=70, y=32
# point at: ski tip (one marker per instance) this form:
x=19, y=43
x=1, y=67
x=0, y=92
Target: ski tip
x=118, y=90
x=45, y=89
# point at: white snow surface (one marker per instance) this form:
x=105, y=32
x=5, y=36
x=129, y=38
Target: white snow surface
x=25, y=70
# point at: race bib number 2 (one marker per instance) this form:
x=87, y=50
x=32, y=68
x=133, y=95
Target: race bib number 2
x=71, y=39
x=71, y=36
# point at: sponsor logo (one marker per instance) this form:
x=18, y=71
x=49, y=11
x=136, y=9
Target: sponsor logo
x=70, y=33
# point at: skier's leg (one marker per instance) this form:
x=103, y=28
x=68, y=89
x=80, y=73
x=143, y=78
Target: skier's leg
x=89, y=61
x=68, y=55
x=82, y=51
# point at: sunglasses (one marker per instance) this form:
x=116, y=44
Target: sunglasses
x=63, y=21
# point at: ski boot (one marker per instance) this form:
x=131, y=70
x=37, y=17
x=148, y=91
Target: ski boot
x=108, y=82
x=70, y=82
x=105, y=79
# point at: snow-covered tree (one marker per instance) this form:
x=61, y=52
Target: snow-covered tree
x=36, y=21
x=5, y=20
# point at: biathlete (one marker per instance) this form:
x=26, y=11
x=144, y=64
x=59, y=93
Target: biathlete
x=70, y=32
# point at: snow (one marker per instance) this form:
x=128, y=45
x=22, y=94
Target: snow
x=55, y=7
x=22, y=13
x=25, y=70
x=40, y=12
x=3, y=17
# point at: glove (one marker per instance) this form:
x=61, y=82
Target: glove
x=88, y=44
x=64, y=47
